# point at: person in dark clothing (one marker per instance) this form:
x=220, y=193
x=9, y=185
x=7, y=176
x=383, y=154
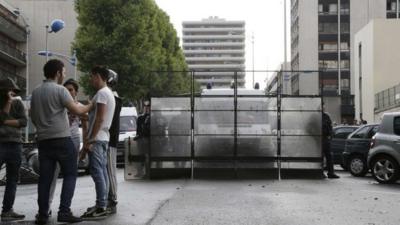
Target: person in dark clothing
x=143, y=135
x=12, y=119
x=326, y=144
x=143, y=122
x=112, y=146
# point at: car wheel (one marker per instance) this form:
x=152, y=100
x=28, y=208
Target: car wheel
x=358, y=166
x=385, y=169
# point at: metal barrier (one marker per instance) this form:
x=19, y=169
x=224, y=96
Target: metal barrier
x=236, y=130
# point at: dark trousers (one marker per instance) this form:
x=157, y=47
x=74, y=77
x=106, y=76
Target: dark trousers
x=10, y=154
x=326, y=148
x=51, y=151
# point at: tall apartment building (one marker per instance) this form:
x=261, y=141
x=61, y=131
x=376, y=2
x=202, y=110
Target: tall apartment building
x=13, y=37
x=315, y=46
x=215, y=49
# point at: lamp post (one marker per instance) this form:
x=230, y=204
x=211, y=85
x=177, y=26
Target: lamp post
x=71, y=59
x=55, y=26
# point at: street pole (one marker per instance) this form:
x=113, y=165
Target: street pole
x=47, y=50
x=339, y=49
x=27, y=77
x=252, y=43
x=285, y=44
x=397, y=9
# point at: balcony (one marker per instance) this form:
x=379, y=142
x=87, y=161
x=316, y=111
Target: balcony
x=12, y=55
x=12, y=30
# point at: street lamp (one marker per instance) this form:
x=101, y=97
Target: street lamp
x=55, y=26
x=71, y=59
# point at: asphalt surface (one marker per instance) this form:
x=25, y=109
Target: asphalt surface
x=348, y=200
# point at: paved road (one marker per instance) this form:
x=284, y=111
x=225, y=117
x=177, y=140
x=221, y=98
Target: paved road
x=347, y=200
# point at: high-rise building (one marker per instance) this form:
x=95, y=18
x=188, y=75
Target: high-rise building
x=316, y=43
x=13, y=36
x=215, y=48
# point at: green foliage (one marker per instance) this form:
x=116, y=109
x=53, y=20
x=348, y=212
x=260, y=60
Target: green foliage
x=134, y=38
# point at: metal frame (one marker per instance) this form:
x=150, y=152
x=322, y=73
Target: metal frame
x=235, y=158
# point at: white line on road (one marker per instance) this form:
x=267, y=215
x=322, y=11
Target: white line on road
x=383, y=192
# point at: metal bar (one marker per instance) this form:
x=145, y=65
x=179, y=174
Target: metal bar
x=235, y=124
x=192, y=127
x=278, y=137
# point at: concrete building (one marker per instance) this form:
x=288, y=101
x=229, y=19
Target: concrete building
x=13, y=36
x=376, y=69
x=38, y=14
x=314, y=42
x=215, y=48
x=272, y=82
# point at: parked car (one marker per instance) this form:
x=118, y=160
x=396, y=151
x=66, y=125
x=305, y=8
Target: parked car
x=356, y=149
x=338, y=142
x=384, y=155
x=127, y=128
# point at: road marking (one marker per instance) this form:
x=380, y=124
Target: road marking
x=383, y=192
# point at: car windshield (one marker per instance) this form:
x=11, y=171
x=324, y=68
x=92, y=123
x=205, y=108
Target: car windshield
x=127, y=123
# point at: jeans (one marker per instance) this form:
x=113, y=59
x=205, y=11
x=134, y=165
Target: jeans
x=76, y=142
x=51, y=151
x=98, y=170
x=10, y=154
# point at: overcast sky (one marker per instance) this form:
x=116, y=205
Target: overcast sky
x=264, y=19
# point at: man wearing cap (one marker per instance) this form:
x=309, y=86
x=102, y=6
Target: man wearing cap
x=49, y=105
x=12, y=119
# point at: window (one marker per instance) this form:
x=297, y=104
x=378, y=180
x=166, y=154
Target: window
x=333, y=8
x=342, y=133
x=362, y=133
x=373, y=131
x=396, y=125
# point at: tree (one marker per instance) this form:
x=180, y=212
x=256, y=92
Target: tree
x=134, y=38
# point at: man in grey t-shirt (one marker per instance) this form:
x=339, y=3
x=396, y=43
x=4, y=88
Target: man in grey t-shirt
x=49, y=105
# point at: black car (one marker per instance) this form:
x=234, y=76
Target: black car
x=338, y=142
x=357, y=147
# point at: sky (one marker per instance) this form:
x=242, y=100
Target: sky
x=264, y=19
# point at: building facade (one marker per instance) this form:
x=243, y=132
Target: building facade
x=13, y=39
x=215, y=49
x=272, y=82
x=322, y=40
x=377, y=69
x=37, y=14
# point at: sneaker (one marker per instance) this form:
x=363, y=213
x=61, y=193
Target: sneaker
x=41, y=220
x=112, y=209
x=11, y=216
x=333, y=176
x=67, y=217
x=37, y=214
x=95, y=214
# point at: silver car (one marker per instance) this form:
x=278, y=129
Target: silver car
x=384, y=155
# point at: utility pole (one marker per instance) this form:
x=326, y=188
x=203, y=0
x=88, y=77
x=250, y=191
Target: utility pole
x=339, y=50
x=252, y=45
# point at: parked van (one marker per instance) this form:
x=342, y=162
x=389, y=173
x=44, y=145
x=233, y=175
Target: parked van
x=127, y=128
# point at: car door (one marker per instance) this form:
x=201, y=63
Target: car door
x=338, y=142
x=360, y=140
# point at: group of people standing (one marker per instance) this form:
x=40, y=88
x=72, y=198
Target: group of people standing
x=57, y=114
